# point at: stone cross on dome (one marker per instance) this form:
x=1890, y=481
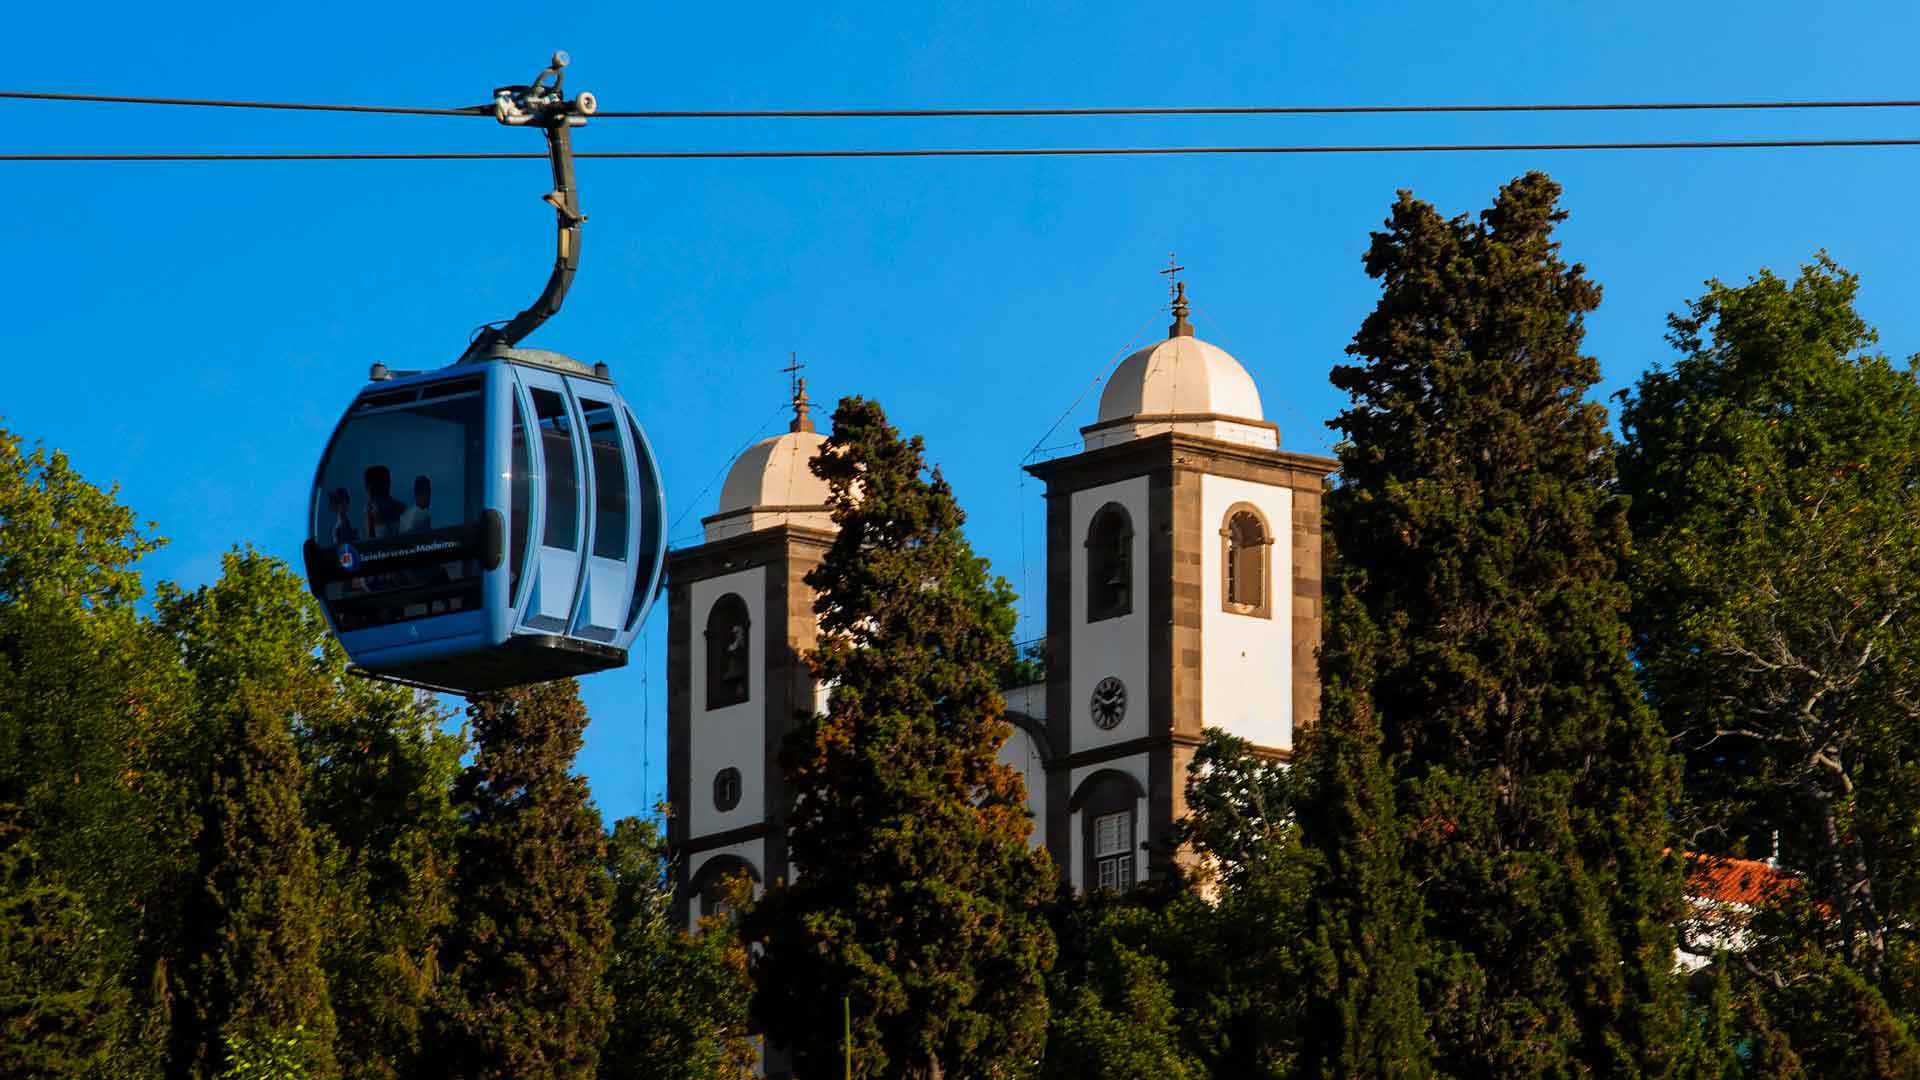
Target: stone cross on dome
x=1177, y=299
x=797, y=386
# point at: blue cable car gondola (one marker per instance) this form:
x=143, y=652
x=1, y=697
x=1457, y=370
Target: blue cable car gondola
x=498, y=521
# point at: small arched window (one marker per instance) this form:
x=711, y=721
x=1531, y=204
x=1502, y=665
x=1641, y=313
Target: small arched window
x=1109, y=563
x=1245, y=562
x=729, y=651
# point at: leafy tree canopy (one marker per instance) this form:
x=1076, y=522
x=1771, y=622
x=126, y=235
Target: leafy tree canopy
x=917, y=896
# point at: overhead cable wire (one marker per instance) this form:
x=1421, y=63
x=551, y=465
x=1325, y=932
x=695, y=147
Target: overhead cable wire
x=1231, y=110
x=1030, y=151
x=210, y=103
x=1037, y=111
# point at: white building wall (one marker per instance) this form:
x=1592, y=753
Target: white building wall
x=753, y=851
x=1134, y=766
x=1246, y=664
x=1023, y=754
x=1118, y=646
x=735, y=735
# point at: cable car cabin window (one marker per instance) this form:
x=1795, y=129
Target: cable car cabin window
x=649, y=525
x=520, y=508
x=729, y=651
x=609, y=481
x=1109, y=564
x=402, y=480
x=556, y=442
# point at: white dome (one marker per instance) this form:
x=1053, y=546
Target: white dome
x=771, y=484
x=1185, y=385
x=1181, y=375
x=774, y=472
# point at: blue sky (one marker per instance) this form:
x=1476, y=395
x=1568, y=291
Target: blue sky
x=191, y=332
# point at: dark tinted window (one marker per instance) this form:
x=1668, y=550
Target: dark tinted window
x=563, y=495
x=609, y=480
x=404, y=475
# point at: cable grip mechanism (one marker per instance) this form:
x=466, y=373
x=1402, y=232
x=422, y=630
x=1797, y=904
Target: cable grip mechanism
x=543, y=103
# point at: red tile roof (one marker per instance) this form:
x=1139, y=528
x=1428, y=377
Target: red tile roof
x=1719, y=879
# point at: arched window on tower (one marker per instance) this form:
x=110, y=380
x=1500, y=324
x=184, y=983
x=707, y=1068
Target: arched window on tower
x=1107, y=804
x=719, y=880
x=1245, y=562
x=729, y=651
x=1109, y=563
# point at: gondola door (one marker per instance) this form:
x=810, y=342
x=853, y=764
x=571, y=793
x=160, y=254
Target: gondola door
x=607, y=586
x=562, y=520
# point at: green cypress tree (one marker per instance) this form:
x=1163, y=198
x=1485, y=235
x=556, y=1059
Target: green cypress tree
x=1484, y=545
x=522, y=990
x=1364, y=914
x=248, y=964
x=916, y=894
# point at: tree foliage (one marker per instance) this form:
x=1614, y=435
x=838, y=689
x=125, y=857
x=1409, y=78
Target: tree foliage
x=917, y=895
x=1365, y=915
x=1775, y=477
x=61, y=1000
x=1476, y=530
x=249, y=951
x=679, y=1000
x=522, y=991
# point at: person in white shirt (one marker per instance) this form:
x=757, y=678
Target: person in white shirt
x=417, y=518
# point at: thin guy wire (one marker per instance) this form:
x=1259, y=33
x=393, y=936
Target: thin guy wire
x=1026, y=577
x=731, y=458
x=1074, y=151
x=1043, y=111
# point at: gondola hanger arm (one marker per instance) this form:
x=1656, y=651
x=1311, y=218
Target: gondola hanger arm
x=543, y=103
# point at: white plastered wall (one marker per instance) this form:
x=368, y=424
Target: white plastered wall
x=1117, y=646
x=753, y=851
x=1246, y=662
x=1134, y=766
x=735, y=735
x=1023, y=754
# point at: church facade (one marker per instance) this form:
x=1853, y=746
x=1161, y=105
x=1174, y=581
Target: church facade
x=1182, y=592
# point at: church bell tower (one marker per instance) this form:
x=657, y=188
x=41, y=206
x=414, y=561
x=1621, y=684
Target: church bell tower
x=740, y=620
x=1183, y=592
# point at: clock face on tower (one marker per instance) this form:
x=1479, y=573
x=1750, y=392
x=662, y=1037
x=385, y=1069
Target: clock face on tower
x=1109, y=703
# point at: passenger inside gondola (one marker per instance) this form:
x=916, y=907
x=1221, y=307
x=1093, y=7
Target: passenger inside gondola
x=342, y=503
x=383, y=510
x=418, y=517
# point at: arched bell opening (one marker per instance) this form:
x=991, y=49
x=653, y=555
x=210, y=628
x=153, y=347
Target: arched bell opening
x=729, y=649
x=1109, y=546
x=1246, y=562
